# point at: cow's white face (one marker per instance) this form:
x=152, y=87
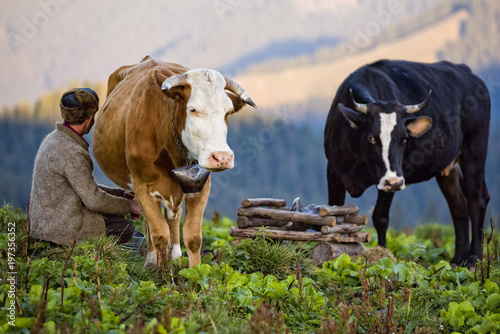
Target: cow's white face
x=392, y=141
x=205, y=132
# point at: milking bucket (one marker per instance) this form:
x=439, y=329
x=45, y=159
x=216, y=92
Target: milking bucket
x=134, y=243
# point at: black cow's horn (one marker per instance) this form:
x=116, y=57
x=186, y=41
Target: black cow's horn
x=174, y=81
x=410, y=109
x=360, y=107
x=234, y=87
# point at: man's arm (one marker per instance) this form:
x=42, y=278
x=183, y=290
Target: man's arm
x=112, y=191
x=79, y=174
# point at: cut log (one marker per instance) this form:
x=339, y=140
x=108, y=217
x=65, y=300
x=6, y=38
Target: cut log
x=362, y=235
x=289, y=216
x=341, y=228
x=354, y=219
x=327, y=251
x=254, y=202
x=253, y=232
x=356, y=237
x=258, y=222
x=326, y=210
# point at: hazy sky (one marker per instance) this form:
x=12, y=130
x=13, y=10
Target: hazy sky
x=46, y=44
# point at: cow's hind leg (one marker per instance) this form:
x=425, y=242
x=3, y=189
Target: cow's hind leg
x=195, y=208
x=151, y=258
x=472, y=163
x=452, y=189
x=157, y=229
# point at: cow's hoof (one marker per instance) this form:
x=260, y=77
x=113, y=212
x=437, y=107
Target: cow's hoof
x=151, y=260
x=176, y=251
x=459, y=260
x=472, y=261
x=150, y=265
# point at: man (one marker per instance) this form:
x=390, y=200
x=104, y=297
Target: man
x=66, y=202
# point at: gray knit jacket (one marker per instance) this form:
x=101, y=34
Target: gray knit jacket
x=66, y=202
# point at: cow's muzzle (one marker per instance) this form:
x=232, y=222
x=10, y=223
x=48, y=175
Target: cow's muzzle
x=392, y=185
x=219, y=161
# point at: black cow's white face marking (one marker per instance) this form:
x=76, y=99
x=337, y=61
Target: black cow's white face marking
x=388, y=124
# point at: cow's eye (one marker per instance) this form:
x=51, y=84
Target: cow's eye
x=404, y=141
x=193, y=111
x=372, y=139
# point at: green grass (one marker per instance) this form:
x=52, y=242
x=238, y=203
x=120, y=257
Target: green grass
x=254, y=286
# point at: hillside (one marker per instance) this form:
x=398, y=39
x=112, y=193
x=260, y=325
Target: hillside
x=303, y=84
x=47, y=44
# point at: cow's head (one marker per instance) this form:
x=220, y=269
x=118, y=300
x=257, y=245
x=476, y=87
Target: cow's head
x=207, y=107
x=383, y=129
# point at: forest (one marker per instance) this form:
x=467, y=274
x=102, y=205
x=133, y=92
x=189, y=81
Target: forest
x=273, y=158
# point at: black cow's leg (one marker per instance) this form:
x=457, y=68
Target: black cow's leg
x=381, y=216
x=336, y=189
x=451, y=187
x=472, y=163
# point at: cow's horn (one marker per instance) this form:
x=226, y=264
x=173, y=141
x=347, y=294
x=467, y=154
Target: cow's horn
x=360, y=107
x=410, y=109
x=234, y=87
x=174, y=81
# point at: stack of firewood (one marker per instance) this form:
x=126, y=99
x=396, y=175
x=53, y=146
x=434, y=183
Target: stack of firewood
x=340, y=225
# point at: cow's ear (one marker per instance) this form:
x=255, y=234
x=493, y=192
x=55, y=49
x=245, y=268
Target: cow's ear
x=178, y=93
x=354, y=118
x=238, y=103
x=418, y=126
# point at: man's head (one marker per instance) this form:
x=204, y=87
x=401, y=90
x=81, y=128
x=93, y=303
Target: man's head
x=78, y=105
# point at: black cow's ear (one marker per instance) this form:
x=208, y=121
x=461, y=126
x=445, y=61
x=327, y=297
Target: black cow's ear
x=417, y=126
x=354, y=118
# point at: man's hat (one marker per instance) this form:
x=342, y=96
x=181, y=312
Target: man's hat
x=78, y=105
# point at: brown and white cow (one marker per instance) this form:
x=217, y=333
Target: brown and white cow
x=148, y=105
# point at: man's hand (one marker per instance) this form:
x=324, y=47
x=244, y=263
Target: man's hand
x=128, y=195
x=135, y=213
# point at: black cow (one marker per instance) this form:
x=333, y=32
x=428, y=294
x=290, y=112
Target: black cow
x=393, y=123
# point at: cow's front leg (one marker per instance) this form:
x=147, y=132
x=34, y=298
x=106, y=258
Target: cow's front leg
x=156, y=228
x=381, y=216
x=195, y=208
x=336, y=188
x=173, y=217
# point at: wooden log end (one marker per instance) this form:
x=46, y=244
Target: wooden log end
x=242, y=222
x=323, y=212
x=327, y=210
x=356, y=237
x=356, y=219
x=325, y=229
